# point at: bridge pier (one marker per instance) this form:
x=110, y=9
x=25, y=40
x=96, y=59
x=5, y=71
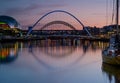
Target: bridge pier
x=72, y=42
x=75, y=42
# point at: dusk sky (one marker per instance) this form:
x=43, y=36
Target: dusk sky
x=27, y=12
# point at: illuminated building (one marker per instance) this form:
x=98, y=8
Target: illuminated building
x=9, y=27
x=8, y=22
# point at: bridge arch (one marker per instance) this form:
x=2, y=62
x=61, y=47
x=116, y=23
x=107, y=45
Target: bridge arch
x=51, y=13
x=58, y=22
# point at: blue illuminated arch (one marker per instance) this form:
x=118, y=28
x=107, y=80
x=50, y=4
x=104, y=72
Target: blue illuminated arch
x=54, y=12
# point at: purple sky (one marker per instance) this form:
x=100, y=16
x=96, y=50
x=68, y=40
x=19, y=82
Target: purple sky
x=27, y=12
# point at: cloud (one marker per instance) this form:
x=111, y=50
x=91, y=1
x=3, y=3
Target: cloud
x=28, y=14
x=31, y=13
x=7, y=0
x=98, y=14
x=33, y=8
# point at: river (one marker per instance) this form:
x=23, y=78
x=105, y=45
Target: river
x=55, y=61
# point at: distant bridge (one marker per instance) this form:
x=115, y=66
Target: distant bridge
x=31, y=28
x=58, y=22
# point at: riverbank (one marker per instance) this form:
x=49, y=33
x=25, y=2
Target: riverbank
x=11, y=39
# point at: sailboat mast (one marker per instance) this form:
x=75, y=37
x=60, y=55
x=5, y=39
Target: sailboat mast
x=117, y=16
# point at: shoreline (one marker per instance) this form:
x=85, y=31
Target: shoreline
x=51, y=38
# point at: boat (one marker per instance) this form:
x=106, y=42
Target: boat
x=111, y=55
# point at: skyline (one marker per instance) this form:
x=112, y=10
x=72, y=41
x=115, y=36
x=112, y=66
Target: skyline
x=27, y=12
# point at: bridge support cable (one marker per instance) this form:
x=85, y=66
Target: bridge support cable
x=85, y=28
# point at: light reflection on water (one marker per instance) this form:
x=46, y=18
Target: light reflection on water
x=8, y=52
x=60, y=61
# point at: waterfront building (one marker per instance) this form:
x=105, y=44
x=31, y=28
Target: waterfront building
x=9, y=26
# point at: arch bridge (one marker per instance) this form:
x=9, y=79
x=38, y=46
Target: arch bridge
x=64, y=23
x=58, y=22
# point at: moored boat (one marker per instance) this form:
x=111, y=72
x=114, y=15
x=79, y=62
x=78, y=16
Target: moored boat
x=111, y=54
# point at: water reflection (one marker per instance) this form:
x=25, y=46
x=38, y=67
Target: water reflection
x=112, y=73
x=56, y=61
x=53, y=50
x=66, y=47
x=8, y=52
x=59, y=50
x=62, y=50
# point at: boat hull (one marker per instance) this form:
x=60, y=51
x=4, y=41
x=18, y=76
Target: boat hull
x=113, y=60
